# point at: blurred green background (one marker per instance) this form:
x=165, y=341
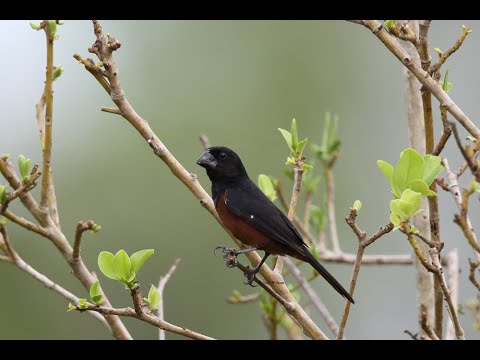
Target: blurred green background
x=236, y=81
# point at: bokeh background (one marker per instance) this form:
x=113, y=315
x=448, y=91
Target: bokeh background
x=236, y=81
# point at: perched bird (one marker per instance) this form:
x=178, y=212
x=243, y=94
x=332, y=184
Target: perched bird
x=252, y=217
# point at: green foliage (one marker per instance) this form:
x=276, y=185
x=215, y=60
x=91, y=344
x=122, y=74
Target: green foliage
x=330, y=143
x=57, y=72
x=266, y=185
x=317, y=218
x=35, y=26
x=296, y=147
x=96, y=228
x=138, y=259
x=310, y=182
x=24, y=166
x=357, y=205
x=266, y=304
x=410, y=180
x=389, y=24
x=121, y=267
x=412, y=172
x=404, y=208
x=3, y=220
x=445, y=84
x=474, y=186
x=3, y=194
x=95, y=293
x=154, y=298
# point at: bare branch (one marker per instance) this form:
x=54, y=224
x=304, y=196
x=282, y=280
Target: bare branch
x=424, y=324
x=444, y=56
x=471, y=276
x=332, y=218
x=432, y=85
x=245, y=299
x=111, y=110
x=451, y=260
x=363, y=242
x=81, y=228
x=161, y=286
x=204, y=141
x=313, y=296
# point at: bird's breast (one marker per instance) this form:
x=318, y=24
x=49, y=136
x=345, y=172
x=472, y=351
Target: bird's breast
x=244, y=231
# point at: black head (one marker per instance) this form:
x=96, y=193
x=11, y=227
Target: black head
x=222, y=164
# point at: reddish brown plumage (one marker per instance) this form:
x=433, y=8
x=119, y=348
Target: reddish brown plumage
x=247, y=234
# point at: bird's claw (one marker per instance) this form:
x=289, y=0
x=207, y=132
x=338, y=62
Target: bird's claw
x=229, y=256
x=250, y=279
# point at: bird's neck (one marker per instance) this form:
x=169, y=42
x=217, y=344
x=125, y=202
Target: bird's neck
x=220, y=185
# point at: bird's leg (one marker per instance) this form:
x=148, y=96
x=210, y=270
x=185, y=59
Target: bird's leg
x=230, y=255
x=254, y=272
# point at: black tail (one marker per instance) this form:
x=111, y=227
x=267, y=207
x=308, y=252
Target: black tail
x=329, y=277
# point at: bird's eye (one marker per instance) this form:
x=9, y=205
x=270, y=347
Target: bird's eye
x=222, y=155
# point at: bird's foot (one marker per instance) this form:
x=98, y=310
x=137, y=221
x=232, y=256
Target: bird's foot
x=229, y=255
x=250, y=278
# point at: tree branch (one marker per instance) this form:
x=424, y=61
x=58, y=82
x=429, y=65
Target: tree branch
x=430, y=84
x=363, y=242
x=161, y=286
x=81, y=228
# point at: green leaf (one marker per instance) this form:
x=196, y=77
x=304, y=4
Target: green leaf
x=357, y=205
x=3, y=220
x=387, y=170
x=154, y=298
x=290, y=161
x=389, y=24
x=82, y=304
x=122, y=265
x=95, y=293
x=96, y=228
x=301, y=147
x=409, y=167
x=310, y=181
x=3, y=194
x=294, y=135
x=474, y=186
x=421, y=187
x=333, y=142
x=106, y=264
x=446, y=85
x=58, y=71
x=438, y=51
x=71, y=307
x=433, y=167
x=306, y=167
x=35, y=26
x=288, y=138
x=23, y=166
x=138, y=259
x=52, y=25
x=265, y=184
x=471, y=138
x=405, y=207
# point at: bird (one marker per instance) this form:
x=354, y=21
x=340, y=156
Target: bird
x=252, y=218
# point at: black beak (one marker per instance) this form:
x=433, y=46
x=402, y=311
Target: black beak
x=207, y=161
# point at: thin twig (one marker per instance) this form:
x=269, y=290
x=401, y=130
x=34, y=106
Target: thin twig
x=430, y=84
x=111, y=110
x=332, y=218
x=471, y=276
x=16, y=260
x=81, y=228
x=467, y=153
x=244, y=299
x=148, y=318
x=453, y=270
x=204, y=141
x=363, y=242
x=25, y=187
x=462, y=219
x=444, y=56
x=161, y=286
x=25, y=223
x=313, y=296
x=424, y=324
x=47, y=146
x=452, y=307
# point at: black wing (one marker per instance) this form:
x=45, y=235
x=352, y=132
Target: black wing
x=249, y=203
